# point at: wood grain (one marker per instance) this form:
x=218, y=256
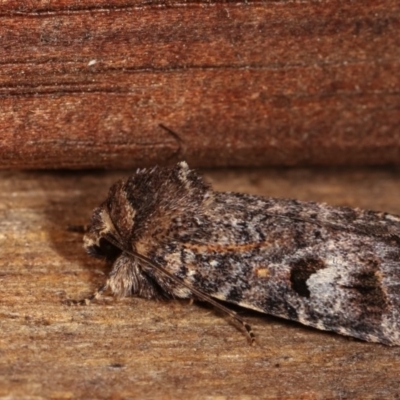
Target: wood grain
x=133, y=348
x=86, y=84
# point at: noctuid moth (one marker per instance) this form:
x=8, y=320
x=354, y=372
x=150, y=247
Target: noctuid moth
x=169, y=235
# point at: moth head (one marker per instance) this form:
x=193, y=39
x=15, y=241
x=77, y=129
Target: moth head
x=143, y=204
x=113, y=219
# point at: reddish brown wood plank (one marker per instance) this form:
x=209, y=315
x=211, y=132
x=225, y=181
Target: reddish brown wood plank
x=247, y=83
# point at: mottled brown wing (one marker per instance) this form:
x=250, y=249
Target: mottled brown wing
x=301, y=261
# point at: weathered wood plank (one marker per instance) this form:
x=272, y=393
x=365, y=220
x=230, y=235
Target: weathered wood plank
x=242, y=83
x=134, y=348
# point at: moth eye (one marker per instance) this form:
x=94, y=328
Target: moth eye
x=104, y=250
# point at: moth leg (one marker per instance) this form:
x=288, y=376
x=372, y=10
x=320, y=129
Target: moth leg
x=127, y=279
x=230, y=313
x=199, y=294
x=246, y=326
x=249, y=331
x=87, y=300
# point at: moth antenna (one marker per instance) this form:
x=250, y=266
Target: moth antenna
x=181, y=143
x=171, y=132
x=198, y=293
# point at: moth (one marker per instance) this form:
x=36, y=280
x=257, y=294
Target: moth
x=169, y=235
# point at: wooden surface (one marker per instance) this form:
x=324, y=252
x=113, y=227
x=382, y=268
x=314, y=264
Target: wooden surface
x=86, y=83
x=133, y=348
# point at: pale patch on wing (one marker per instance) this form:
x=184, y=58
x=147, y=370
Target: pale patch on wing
x=392, y=218
x=262, y=272
x=130, y=212
x=183, y=174
x=182, y=292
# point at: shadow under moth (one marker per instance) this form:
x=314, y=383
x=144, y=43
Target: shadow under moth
x=169, y=235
